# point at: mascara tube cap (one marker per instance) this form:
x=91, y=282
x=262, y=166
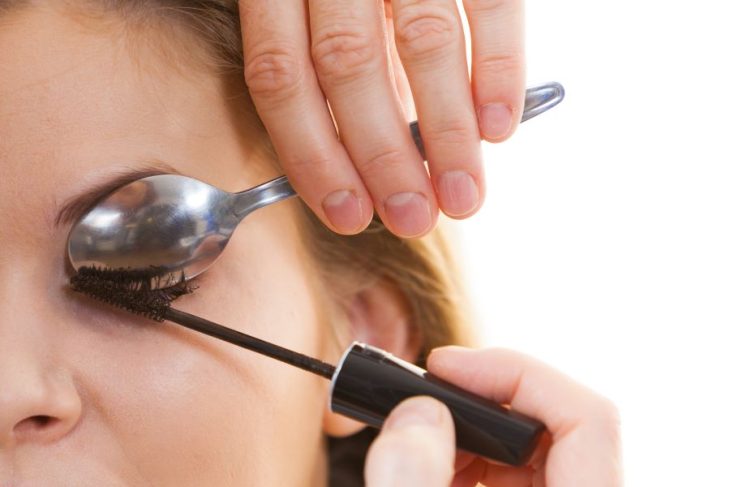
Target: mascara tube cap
x=368, y=383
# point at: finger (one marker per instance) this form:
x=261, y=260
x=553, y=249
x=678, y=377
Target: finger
x=463, y=460
x=284, y=88
x=528, y=385
x=482, y=472
x=498, y=64
x=349, y=53
x=584, y=425
x=414, y=448
x=430, y=42
x=398, y=74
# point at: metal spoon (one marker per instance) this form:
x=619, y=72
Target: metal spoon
x=181, y=225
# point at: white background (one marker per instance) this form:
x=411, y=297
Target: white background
x=604, y=244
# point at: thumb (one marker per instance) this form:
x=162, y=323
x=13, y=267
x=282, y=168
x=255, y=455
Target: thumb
x=414, y=448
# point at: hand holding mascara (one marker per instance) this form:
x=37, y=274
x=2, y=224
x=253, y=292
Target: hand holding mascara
x=583, y=448
x=366, y=384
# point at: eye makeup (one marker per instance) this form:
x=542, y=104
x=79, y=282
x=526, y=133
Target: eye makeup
x=366, y=384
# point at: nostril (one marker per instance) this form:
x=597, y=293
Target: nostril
x=35, y=423
x=41, y=420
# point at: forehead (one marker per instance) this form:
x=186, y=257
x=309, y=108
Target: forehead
x=64, y=87
x=77, y=102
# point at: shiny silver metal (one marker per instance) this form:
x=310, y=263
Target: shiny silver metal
x=180, y=225
x=174, y=223
x=538, y=99
x=542, y=98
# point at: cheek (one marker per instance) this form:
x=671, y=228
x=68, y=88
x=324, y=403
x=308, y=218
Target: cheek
x=181, y=406
x=167, y=402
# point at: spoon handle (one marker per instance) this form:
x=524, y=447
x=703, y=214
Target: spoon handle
x=262, y=195
x=538, y=99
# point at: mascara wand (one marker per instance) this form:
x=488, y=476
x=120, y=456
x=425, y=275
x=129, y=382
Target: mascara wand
x=252, y=343
x=366, y=384
x=146, y=292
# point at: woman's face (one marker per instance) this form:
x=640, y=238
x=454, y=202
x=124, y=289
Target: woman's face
x=93, y=396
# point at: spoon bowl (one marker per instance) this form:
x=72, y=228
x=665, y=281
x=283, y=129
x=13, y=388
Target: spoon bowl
x=172, y=223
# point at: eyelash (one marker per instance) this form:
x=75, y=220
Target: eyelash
x=193, y=284
x=129, y=286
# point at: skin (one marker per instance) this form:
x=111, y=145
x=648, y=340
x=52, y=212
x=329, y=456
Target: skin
x=359, y=58
x=93, y=396
x=133, y=402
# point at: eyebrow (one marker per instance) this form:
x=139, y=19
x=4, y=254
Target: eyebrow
x=77, y=206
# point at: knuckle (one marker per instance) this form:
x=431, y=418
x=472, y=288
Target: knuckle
x=273, y=72
x=305, y=166
x=610, y=412
x=488, y=6
x=425, y=31
x=612, y=418
x=497, y=64
x=606, y=415
x=380, y=163
x=342, y=54
x=457, y=134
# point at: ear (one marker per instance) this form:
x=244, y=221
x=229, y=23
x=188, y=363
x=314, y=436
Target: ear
x=379, y=315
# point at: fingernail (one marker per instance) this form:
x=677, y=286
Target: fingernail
x=344, y=210
x=421, y=411
x=495, y=120
x=408, y=213
x=458, y=193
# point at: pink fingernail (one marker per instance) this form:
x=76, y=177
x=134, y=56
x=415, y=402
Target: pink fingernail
x=495, y=120
x=344, y=210
x=458, y=193
x=409, y=213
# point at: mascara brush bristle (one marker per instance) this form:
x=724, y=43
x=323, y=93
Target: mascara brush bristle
x=145, y=292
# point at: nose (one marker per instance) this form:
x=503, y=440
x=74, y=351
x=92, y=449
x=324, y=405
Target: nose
x=34, y=406
x=37, y=404
x=39, y=401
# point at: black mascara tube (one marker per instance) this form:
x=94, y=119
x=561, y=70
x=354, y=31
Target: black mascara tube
x=368, y=383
